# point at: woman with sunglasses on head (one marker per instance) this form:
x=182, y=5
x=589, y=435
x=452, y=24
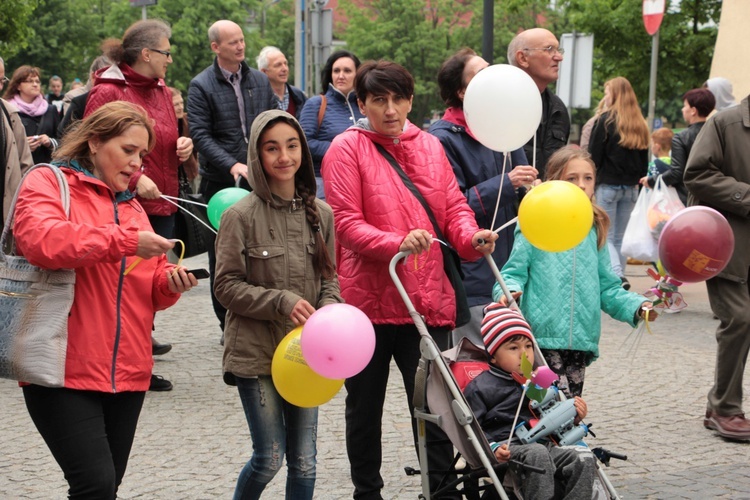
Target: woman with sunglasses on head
x=141, y=61
x=39, y=118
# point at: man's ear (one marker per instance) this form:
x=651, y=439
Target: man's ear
x=215, y=48
x=522, y=60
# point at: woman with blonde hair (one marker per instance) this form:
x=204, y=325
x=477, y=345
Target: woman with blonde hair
x=619, y=148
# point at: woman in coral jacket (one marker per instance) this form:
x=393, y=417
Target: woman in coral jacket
x=89, y=424
x=375, y=217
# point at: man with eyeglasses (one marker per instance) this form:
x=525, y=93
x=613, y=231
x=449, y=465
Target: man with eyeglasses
x=538, y=53
x=15, y=155
x=223, y=100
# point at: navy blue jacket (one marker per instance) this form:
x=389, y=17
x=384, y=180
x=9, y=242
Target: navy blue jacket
x=341, y=113
x=477, y=170
x=299, y=99
x=214, y=118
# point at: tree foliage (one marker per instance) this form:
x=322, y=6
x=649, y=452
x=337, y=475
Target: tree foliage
x=14, y=25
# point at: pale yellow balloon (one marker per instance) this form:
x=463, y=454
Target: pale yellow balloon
x=555, y=216
x=296, y=382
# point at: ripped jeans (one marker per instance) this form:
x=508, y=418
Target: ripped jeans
x=277, y=428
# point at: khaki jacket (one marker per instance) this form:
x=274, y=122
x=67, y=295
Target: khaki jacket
x=17, y=155
x=264, y=263
x=717, y=175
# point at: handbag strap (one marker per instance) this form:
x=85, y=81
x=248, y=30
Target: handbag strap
x=410, y=185
x=64, y=198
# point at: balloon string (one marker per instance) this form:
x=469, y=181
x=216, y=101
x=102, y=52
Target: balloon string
x=500, y=191
x=183, y=200
x=191, y=214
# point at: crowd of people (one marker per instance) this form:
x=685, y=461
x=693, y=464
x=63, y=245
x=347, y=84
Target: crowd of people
x=340, y=182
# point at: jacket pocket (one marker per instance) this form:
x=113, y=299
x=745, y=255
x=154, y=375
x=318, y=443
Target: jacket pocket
x=266, y=264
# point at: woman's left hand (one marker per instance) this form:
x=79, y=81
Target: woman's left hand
x=184, y=148
x=180, y=281
x=487, y=246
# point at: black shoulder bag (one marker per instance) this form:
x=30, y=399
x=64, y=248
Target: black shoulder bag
x=451, y=260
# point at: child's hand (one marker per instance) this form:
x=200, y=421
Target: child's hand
x=502, y=453
x=647, y=312
x=301, y=311
x=581, y=409
x=504, y=300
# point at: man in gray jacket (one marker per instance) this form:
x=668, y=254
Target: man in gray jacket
x=223, y=100
x=717, y=175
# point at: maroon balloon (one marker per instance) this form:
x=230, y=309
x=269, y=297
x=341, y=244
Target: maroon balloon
x=696, y=244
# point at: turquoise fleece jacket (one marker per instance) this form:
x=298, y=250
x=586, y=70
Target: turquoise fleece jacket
x=564, y=292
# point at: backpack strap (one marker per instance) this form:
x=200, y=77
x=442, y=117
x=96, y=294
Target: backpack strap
x=322, y=110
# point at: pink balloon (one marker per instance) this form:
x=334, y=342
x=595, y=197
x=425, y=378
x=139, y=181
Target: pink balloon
x=338, y=341
x=544, y=377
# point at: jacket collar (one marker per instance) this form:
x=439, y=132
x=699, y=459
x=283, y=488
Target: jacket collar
x=89, y=177
x=409, y=133
x=244, y=70
x=123, y=74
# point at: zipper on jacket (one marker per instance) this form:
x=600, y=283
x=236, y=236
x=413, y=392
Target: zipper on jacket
x=119, y=299
x=572, y=301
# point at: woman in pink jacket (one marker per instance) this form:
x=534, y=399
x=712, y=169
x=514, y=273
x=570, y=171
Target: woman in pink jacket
x=376, y=216
x=89, y=424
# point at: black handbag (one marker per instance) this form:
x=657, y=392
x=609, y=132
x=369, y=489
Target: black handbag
x=196, y=236
x=451, y=259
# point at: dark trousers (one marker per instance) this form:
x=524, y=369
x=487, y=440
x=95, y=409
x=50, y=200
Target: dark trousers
x=163, y=225
x=89, y=434
x=730, y=302
x=364, y=407
x=209, y=188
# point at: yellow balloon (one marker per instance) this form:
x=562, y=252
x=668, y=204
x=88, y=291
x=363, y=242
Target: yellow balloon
x=296, y=382
x=555, y=216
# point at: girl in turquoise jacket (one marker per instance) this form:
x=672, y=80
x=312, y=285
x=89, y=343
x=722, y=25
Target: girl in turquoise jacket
x=564, y=292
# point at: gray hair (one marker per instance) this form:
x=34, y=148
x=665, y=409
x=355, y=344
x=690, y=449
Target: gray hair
x=515, y=45
x=140, y=35
x=2, y=61
x=262, y=59
x=97, y=64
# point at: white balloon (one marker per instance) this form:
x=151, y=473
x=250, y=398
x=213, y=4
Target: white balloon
x=503, y=107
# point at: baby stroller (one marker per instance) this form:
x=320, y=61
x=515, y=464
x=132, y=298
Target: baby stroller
x=438, y=398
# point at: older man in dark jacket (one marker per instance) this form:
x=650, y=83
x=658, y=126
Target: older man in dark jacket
x=717, y=175
x=223, y=100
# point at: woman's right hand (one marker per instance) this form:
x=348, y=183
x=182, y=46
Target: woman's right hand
x=152, y=245
x=417, y=241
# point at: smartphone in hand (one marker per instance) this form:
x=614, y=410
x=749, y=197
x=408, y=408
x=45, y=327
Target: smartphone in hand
x=200, y=274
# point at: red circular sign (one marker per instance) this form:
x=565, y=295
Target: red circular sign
x=653, y=13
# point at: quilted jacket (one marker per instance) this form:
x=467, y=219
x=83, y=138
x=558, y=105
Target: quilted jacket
x=109, y=328
x=121, y=83
x=341, y=113
x=264, y=265
x=477, y=169
x=215, y=117
x=565, y=292
x=374, y=211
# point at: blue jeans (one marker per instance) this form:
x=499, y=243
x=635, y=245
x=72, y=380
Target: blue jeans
x=320, y=194
x=618, y=202
x=276, y=428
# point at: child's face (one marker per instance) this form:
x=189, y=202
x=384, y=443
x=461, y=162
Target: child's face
x=280, y=154
x=582, y=174
x=508, y=356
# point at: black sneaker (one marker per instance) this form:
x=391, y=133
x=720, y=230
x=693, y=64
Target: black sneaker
x=625, y=283
x=159, y=384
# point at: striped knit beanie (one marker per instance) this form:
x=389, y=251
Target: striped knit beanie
x=499, y=324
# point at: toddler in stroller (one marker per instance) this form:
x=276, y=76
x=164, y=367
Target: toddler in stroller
x=494, y=396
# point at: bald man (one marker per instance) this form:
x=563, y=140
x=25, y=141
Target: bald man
x=223, y=100
x=538, y=53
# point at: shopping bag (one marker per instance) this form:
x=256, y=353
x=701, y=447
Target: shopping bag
x=664, y=203
x=638, y=242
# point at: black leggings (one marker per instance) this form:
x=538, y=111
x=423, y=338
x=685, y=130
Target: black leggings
x=89, y=434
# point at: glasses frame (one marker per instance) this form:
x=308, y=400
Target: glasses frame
x=550, y=50
x=33, y=82
x=162, y=52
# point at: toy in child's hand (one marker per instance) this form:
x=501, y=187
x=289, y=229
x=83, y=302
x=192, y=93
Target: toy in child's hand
x=556, y=422
x=664, y=293
x=545, y=378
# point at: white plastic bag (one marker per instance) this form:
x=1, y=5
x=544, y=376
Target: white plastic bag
x=638, y=242
x=664, y=203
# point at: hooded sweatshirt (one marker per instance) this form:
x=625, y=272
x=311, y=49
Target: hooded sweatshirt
x=721, y=88
x=272, y=237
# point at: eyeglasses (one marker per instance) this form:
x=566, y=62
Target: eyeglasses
x=33, y=82
x=551, y=50
x=163, y=52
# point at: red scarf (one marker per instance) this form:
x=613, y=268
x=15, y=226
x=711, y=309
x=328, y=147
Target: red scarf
x=457, y=117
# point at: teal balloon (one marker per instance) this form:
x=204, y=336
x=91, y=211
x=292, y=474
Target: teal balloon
x=223, y=200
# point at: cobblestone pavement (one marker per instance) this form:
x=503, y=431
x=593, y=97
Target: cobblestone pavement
x=646, y=398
